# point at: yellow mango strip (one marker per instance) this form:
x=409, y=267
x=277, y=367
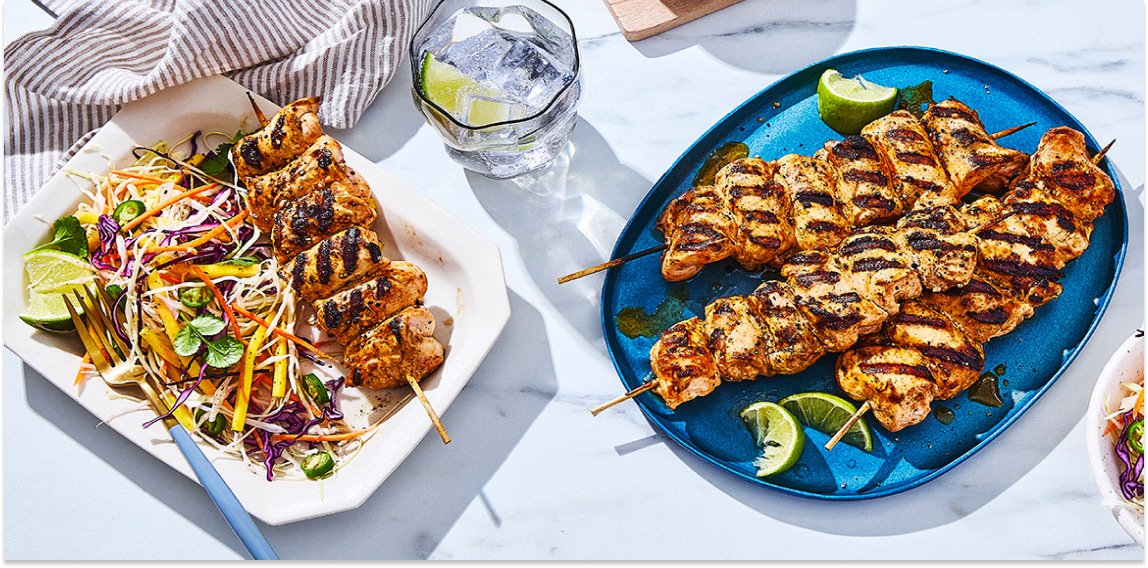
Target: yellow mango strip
x=243, y=396
x=87, y=217
x=217, y=270
x=279, y=385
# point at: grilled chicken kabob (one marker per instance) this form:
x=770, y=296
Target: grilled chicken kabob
x=831, y=299
x=760, y=212
x=319, y=212
x=933, y=349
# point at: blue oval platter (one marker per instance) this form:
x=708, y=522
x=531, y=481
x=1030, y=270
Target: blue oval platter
x=783, y=119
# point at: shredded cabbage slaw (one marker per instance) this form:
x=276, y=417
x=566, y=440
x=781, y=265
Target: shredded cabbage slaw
x=1126, y=437
x=193, y=234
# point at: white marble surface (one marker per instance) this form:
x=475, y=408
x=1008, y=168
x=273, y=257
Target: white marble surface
x=530, y=474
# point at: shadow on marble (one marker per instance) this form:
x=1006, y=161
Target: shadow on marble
x=991, y=471
x=567, y=217
x=388, y=123
x=766, y=36
x=412, y=511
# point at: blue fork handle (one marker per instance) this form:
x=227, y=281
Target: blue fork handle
x=221, y=494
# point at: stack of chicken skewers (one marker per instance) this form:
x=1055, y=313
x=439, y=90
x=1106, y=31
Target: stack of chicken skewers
x=918, y=286
x=319, y=212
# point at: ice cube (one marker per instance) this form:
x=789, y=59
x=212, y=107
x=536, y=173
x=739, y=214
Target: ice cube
x=527, y=75
x=469, y=43
x=554, y=40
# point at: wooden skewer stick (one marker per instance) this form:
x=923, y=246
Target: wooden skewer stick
x=1100, y=155
x=662, y=247
x=612, y=263
x=1008, y=131
x=848, y=424
x=430, y=411
x=630, y=394
x=258, y=113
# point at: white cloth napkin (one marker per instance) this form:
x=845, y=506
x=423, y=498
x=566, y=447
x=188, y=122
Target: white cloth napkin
x=63, y=83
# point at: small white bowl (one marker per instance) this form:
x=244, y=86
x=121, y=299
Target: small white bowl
x=1126, y=365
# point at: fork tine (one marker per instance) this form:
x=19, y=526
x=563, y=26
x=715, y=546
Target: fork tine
x=103, y=313
x=89, y=342
x=97, y=329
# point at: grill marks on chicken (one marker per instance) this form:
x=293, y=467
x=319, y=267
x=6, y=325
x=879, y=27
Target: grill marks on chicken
x=903, y=140
x=1040, y=226
x=917, y=290
x=760, y=212
x=827, y=302
x=969, y=154
x=319, y=212
x=288, y=134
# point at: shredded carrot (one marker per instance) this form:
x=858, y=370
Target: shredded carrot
x=82, y=374
x=219, y=297
x=1139, y=406
x=282, y=332
x=215, y=232
x=326, y=437
x=169, y=278
x=165, y=204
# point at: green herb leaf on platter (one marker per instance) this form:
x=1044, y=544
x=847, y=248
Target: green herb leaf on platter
x=187, y=342
x=206, y=324
x=916, y=98
x=69, y=237
x=223, y=352
x=218, y=163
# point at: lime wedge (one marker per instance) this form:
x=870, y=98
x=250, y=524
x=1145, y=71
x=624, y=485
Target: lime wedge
x=461, y=96
x=52, y=273
x=828, y=413
x=847, y=105
x=778, y=433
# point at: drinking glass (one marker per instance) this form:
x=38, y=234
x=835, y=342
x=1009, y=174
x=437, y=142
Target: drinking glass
x=499, y=81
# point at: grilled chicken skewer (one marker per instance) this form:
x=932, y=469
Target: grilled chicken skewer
x=934, y=350
x=892, y=167
x=815, y=310
x=319, y=212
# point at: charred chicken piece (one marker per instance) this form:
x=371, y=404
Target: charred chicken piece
x=683, y=364
x=737, y=339
x=698, y=229
x=288, y=133
x=902, y=139
x=818, y=222
x=400, y=347
x=320, y=166
x=864, y=184
x=346, y=314
x=967, y=151
x=339, y=262
x=318, y=215
x=761, y=211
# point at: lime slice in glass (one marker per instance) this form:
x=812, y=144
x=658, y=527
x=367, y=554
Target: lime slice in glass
x=52, y=273
x=847, y=105
x=464, y=98
x=779, y=435
x=828, y=413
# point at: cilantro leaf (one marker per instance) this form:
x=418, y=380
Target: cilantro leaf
x=187, y=342
x=206, y=324
x=216, y=164
x=241, y=261
x=70, y=237
x=916, y=98
x=223, y=352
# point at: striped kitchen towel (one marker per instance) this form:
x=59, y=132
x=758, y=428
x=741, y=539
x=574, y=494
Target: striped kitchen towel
x=63, y=83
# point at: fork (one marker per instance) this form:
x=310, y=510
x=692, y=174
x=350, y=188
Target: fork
x=110, y=356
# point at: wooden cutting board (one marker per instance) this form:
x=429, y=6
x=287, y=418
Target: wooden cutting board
x=640, y=19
